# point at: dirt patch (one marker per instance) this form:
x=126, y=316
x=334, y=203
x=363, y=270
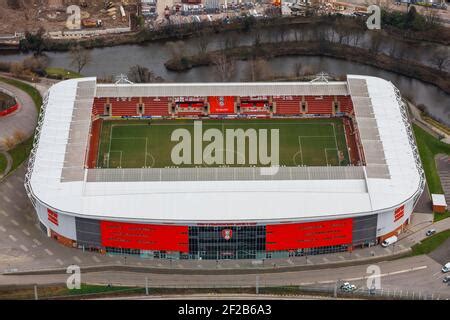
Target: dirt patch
x=51, y=15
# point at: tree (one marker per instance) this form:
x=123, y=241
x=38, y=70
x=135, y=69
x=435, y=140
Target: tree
x=80, y=57
x=375, y=41
x=140, y=74
x=298, y=69
x=440, y=59
x=176, y=49
x=34, y=42
x=202, y=42
x=258, y=69
x=17, y=69
x=224, y=66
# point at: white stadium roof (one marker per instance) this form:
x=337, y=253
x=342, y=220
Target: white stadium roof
x=58, y=180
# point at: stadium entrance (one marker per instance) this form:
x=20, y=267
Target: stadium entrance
x=227, y=242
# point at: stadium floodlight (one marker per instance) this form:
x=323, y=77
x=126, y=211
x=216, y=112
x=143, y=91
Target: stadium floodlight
x=321, y=77
x=123, y=79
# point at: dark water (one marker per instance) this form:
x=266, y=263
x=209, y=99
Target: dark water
x=116, y=60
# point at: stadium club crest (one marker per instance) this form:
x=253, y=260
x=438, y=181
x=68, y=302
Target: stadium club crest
x=227, y=234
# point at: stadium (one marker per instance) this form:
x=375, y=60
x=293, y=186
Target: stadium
x=102, y=174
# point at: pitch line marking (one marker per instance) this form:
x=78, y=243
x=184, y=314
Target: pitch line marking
x=120, y=157
x=335, y=139
x=326, y=154
x=301, y=150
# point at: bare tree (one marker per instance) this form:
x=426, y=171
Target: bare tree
x=202, y=42
x=441, y=59
x=140, y=74
x=176, y=49
x=229, y=42
x=431, y=17
x=375, y=41
x=258, y=69
x=224, y=66
x=80, y=57
x=298, y=69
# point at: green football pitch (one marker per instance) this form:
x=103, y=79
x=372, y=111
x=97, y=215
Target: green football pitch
x=147, y=143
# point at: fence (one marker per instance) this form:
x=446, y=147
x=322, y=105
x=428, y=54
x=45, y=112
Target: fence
x=333, y=292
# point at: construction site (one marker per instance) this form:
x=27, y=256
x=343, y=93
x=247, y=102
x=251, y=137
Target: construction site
x=54, y=15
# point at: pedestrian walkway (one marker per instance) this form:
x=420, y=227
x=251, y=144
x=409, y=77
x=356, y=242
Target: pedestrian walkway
x=443, y=167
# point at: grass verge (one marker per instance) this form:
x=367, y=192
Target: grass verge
x=21, y=151
x=429, y=148
x=62, y=292
x=62, y=74
x=3, y=163
x=431, y=243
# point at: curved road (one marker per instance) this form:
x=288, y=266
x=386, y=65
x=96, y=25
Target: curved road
x=23, y=121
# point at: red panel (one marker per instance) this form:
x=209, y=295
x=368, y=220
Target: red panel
x=399, y=213
x=144, y=236
x=221, y=104
x=308, y=235
x=52, y=217
x=9, y=110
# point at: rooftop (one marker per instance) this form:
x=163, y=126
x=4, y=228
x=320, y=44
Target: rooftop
x=59, y=180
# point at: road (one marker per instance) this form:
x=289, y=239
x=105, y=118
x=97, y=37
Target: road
x=20, y=124
x=419, y=274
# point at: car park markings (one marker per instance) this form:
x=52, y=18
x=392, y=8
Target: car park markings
x=325, y=260
x=77, y=259
x=2, y=228
x=26, y=232
x=96, y=259
x=48, y=252
x=341, y=257
x=59, y=261
x=6, y=199
x=4, y=213
x=12, y=238
x=37, y=242
x=23, y=248
x=14, y=222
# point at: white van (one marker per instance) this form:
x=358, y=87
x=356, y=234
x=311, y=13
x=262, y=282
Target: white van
x=389, y=241
x=446, y=267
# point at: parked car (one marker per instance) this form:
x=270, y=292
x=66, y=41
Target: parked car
x=391, y=240
x=446, y=280
x=347, y=287
x=430, y=232
x=446, y=267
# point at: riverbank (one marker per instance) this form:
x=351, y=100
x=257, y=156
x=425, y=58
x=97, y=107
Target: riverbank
x=380, y=60
x=436, y=35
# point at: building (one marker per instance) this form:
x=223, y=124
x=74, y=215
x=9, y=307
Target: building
x=224, y=213
x=439, y=203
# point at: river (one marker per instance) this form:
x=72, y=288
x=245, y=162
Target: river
x=117, y=60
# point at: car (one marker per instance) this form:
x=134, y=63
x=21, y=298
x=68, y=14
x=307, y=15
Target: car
x=446, y=267
x=391, y=240
x=430, y=232
x=347, y=287
x=446, y=280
